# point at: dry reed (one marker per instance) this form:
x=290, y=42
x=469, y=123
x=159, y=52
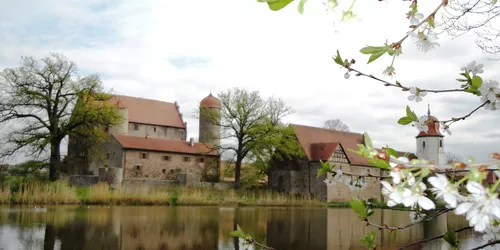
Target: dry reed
x=61, y=193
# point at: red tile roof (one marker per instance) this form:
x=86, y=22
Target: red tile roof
x=210, y=102
x=309, y=136
x=163, y=145
x=323, y=151
x=148, y=111
x=433, y=125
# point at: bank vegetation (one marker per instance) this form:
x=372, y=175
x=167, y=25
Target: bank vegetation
x=59, y=192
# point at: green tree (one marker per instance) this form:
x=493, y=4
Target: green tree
x=252, y=125
x=45, y=102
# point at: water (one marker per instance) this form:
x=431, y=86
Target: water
x=208, y=227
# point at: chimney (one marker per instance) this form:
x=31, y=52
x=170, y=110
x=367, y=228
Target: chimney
x=191, y=142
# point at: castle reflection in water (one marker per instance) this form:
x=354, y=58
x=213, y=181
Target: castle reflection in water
x=204, y=227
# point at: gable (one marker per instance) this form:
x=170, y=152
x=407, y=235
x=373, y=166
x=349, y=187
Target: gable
x=339, y=156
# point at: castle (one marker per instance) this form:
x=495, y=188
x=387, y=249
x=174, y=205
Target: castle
x=298, y=176
x=151, y=143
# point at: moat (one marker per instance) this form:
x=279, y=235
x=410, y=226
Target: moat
x=208, y=227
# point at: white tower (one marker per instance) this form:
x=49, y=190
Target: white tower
x=430, y=144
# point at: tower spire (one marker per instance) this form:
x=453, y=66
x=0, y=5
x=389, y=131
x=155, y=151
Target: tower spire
x=428, y=109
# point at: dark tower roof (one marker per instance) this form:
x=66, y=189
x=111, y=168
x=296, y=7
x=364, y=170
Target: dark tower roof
x=210, y=102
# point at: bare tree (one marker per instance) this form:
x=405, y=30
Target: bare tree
x=479, y=16
x=47, y=102
x=336, y=124
x=450, y=157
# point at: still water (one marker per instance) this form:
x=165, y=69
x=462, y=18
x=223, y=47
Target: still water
x=206, y=227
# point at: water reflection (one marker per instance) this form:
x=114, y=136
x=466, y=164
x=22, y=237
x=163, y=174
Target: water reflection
x=203, y=227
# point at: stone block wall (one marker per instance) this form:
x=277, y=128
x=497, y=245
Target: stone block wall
x=83, y=180
x=341, y=192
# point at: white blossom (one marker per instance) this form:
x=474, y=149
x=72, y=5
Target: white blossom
x=490, y=90
x=444, y=189
x=416, y=94
x=481, y=207
x=416, y=196
x=416, y=216
x=444, y=128
x=473, y=68
x=415, y=19
x=347, y=75
x=389, y=71
x=395, y=194
x=424, y=42
x=490, y=105
x=421, y=124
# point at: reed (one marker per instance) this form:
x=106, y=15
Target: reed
x=61, y=193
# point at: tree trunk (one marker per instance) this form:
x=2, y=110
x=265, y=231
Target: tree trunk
x=55, y=159
x=237, y=174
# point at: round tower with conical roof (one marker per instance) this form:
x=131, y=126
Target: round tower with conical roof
x=209, y=131
x=430, y=144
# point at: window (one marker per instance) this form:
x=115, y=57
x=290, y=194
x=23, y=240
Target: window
x=107, y=156
x=339, y=156
x=144, y=155
x=163, y=171
x=202, y=160
x=423, y=144
x=166, y=157
x=154, y=129
x=186, y=159
x=171, y=171
x=138, y=167
x=441, y=143
x=136, y=126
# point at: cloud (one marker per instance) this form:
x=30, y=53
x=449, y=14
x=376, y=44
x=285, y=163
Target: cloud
x=183, y=50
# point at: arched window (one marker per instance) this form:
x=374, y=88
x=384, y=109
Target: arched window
x=423, y=144
x=440, y=143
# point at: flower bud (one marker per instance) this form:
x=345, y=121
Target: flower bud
x=347, y=75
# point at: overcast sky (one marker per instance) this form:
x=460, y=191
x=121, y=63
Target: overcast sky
x=181, y=50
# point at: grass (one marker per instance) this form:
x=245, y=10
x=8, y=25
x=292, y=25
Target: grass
x=61, y=193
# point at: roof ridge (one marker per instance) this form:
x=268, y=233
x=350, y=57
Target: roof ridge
x=148, y=99
x=335, y=131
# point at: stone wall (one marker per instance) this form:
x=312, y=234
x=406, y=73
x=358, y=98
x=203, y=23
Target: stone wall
x=341, y=192
x=83, y=180
x=113, y=176
x=155, y=131
x=299, y=180
x=156, y=167
x=111, y=156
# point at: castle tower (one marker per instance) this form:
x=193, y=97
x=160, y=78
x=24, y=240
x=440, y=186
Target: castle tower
x=430, y=144
x=209, y=118
x=122, y=128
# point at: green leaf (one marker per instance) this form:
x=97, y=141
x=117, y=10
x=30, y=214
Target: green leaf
x=471, y=160
x=359, y=207
x=476, y=81
x=411, y=114
x=238, y=233
x=368, y=141
x=276, y=4
x=405, y=120
x=375, y=56
x=392, y=152
x=372, y=49
x=379, y=163
x=325, y=168
x=369, y=240
x=451, y=238
x=301, y=6
x=338, y=59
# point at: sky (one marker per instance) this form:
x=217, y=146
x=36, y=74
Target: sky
x=183, y=50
